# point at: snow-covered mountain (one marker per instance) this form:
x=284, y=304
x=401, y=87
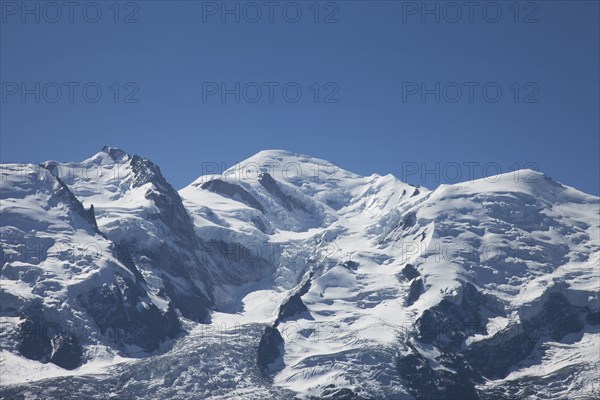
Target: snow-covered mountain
x=287, y=276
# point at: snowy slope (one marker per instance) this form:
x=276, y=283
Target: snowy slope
x=325, y=283
x=66, y=296
x=515, y=238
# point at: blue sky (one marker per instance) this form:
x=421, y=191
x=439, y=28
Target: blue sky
x=386, y=86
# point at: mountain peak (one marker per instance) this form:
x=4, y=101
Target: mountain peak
x=115, y=153
x=526, y=181
x=286, y=166
x=275, y=153
x=276, y=157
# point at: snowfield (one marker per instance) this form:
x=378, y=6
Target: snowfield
x=289, y=277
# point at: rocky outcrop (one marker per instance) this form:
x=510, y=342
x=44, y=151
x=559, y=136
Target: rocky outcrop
x=119, y=313
x=445, y=326
x=455, y=382
x=496, y=356
x=410, y=272
x=270, y=349
x=233, y=191
x=65, y=196
x=351, y=265
x=288, y=202
x=414, y=292
x=271, y=346
x=331, y=392
x=294, y=304
x=448, y=324
x=46, y=341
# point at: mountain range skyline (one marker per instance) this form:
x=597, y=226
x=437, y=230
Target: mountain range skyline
x=294, y=277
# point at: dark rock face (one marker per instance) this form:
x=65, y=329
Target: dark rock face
x=35, y=344
x=333, y=393
x=190, y=302
x=171, y=211
x=593, y=318
x=408, y=221
x=67, y=351
x=235, y=263
x=351, y=265
x=425, y=383
x=445, y=326
x=496, y=356
x=115, y=153
x=124, y=252
x=179, y=269
x=260, y=225
x=118, y=313
x=410, y=272
x=416, y=288
x=233, y=191
x=48, y=342
x=558, y=318
x=288, y=202
x=448, y=324
x=294, y=305
x=270, y=348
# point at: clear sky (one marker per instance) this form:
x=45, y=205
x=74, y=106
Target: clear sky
x=386, y=86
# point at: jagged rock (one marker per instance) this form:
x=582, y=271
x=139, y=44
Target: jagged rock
x=294, y=305
x=34, y=341
x=333, y=393
x=232, y=191
x=351, y=265
x=117, y=313
x=48, y=342
x=288, y=202
x=66, y=351
x=410, y=272
x=425, y=383
x=558, y=317
x=408, y=221
x=67, y=197
x=270, y=348
x=447, y=324
x=495, y=357
x=414, y=292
